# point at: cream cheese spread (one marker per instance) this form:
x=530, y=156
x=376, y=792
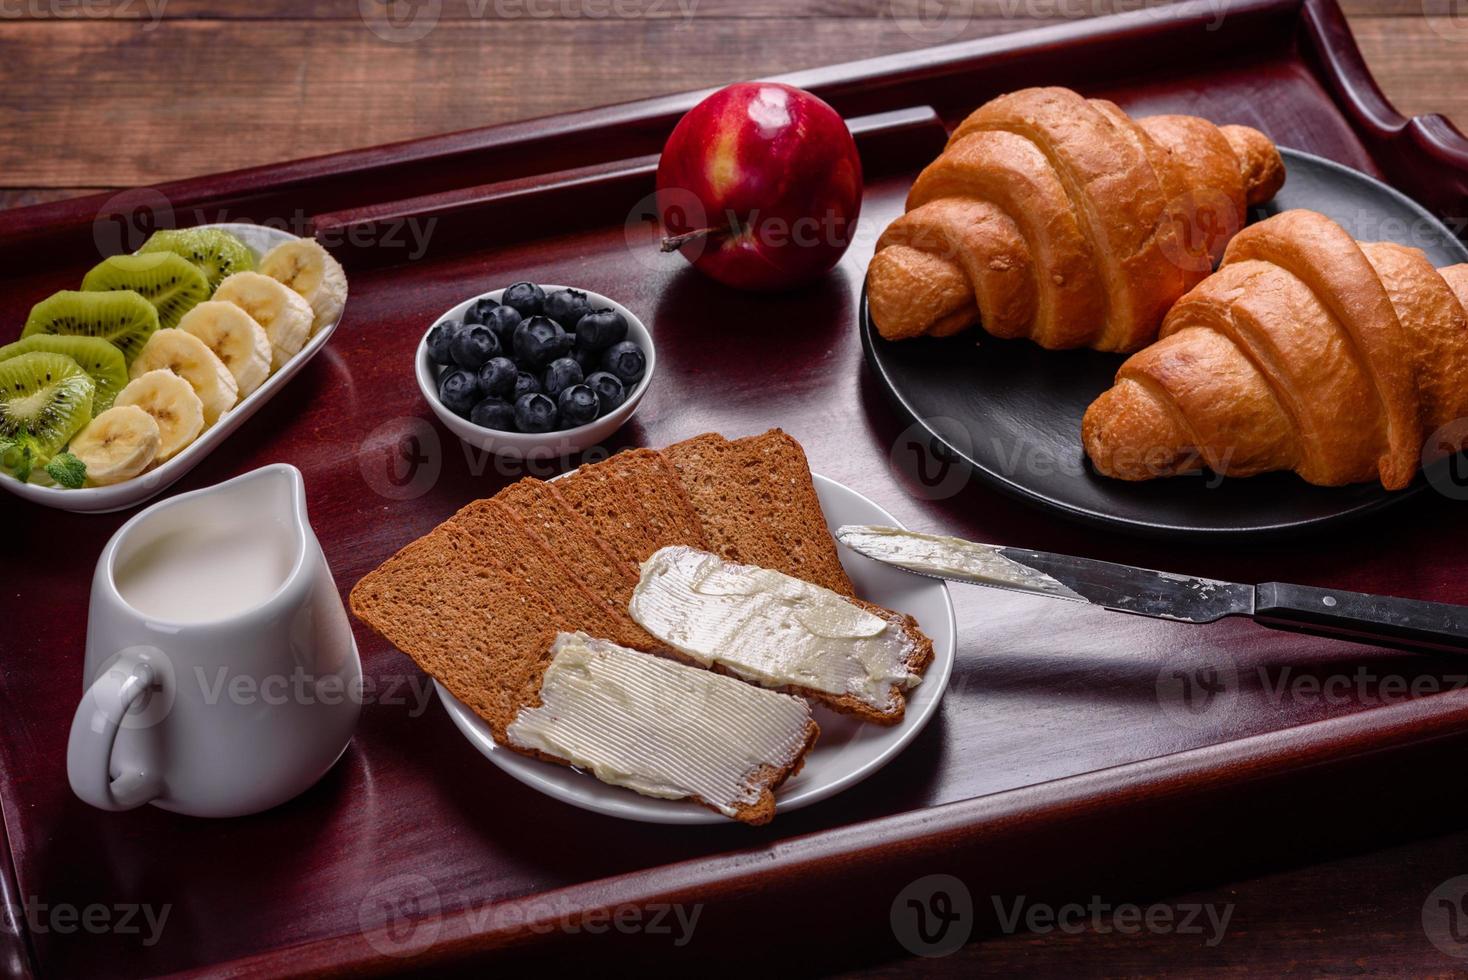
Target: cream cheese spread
x=659, y=727
x=936, y=554
x=770, y=628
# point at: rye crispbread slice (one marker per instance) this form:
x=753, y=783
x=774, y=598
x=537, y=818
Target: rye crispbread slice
x=757, y=502
x=733, y=517
x=777, y=472
x=648, y=474
x=570, y=537
x=600, y=498
x=477, y=603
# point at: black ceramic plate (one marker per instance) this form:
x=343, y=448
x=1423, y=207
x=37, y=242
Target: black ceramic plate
x=1013, y=410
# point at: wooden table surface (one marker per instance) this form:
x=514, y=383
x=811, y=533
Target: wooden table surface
x=100, y=94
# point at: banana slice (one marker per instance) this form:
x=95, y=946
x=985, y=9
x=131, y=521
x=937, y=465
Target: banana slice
x=310, y=270
x=174, y=405
x=285, y=315
x=117, y=445
x=191, y=359
x=235, y=338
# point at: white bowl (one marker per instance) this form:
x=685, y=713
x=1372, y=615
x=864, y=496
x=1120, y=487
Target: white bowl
x=129, y=493
x=537, y=445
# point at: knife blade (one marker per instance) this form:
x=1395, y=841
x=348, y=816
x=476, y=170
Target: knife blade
x=1410, y=624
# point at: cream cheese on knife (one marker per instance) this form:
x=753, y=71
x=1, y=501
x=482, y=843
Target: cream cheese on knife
x=937, y=554
x=659, y=727
x=770, y=628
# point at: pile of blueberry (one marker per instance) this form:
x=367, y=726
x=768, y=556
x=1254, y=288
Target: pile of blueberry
x=535, y=362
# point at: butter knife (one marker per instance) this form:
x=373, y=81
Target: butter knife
x=1408, y=624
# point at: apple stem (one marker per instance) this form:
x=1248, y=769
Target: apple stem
x=674, y=242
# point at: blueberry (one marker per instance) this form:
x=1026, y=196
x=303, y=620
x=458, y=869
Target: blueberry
x=625, y=360
x=526, y=297
x=497, y=377
x=494, y=413
x=458, y=390
x=503, y=320
x=474, y=345
x=578, y=405
x=525, y=383
x=566, y=307
x=538, y=341
x=439, y=339
x=479, y=310
x=608, y=389
x=590, y=360
x=600, y=329
x=535, y=412
x=561, y=374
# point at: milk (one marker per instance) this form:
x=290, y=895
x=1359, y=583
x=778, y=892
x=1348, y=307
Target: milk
x=205, y=574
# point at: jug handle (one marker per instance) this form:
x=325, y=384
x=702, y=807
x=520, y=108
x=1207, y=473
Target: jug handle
x=94, y=733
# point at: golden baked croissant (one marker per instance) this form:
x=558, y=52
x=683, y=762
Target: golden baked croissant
x=1062, y=219
x=1306, y=351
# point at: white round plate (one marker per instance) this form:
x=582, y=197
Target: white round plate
x=846, y=752
x=129, y=493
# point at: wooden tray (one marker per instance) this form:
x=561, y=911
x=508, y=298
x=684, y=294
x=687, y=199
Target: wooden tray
x=1066, y=756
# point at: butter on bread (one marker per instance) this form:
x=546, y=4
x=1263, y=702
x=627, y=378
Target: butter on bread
x=478, y=603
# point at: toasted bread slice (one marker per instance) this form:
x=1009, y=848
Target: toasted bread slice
x=647, y=474
x=478, y=603
x=734, y=519
x=758, y=505
x=777, y=472
x=599, y=497
x=571, y=538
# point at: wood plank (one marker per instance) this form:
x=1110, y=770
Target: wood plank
x=509, y=11
x=229, y=95
x=232, y=94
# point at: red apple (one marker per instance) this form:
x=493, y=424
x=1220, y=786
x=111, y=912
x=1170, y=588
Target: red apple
x=759, y=186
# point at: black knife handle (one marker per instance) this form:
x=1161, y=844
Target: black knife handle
x=1409, y=624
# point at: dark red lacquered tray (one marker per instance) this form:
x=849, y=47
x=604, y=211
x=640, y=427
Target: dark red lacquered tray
x=1067, y=754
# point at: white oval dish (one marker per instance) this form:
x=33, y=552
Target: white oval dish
x=845, y=753
x=119, y=496
x=536, y=445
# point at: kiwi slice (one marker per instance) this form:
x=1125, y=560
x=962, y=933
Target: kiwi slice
x=102, y=361
x=168, y=281
x=124, y=319
x=217, y=254
x=45, y=399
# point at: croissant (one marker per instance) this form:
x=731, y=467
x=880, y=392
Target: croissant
x=1306, y=351
x=1062, y=219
